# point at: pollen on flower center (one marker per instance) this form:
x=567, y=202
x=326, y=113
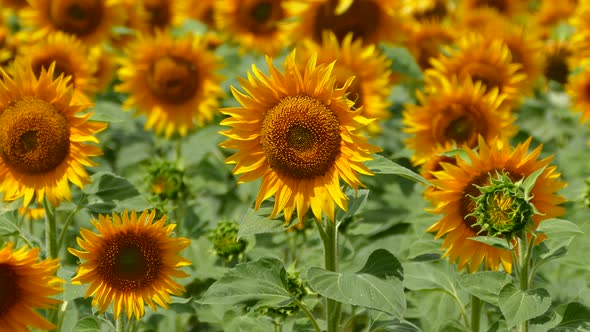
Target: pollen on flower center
x=9, y=291
x=78, y=17
x=130, y=261
x=301, y=137
x=34, y=137
x=172, y=79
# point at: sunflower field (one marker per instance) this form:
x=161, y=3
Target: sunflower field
x=294, y=165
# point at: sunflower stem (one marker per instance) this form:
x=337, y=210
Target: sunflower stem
x=66, y=224
x=524, y=258
x=308, y=313
x=475, y=313
x=329, y=237
x=50, y=230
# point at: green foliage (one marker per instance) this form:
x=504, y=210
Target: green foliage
x=518, y=306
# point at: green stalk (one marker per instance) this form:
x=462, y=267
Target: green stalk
x=308, y=313
x=329, y=237
x=50, y=230
x=475, y=313
x=120, y=324
x=523, y=253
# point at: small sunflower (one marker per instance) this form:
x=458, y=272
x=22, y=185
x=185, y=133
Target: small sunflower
x=105, y=68
x=483, y=59
x=370, y=88
x=579, y=91
x=89, y=20
x=173, y=81
x=458, y=112
x=558, y=61
x=297, y=131
x=509, y=8
x=129, y=262
x=163, y=14
x=373, y=21
x=479, y=19
x=455, y=183
x=68, y=53
x=426, y=10
x=43, y=137
x=255, y=24
x=200, y=10
x=550, y=13
x=26, y=284
x=425, y=41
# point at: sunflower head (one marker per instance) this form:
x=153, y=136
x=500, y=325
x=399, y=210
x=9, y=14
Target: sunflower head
x=578, y=88
x=89, y=20
x=26, y=284
x=425, y=10
x=426, y=40
x=298, y=132
x=43, y=138
x=225, y=240
x=166, y=180
x=130, y=261
x=558, y=61
x=173, y=81
x=503, y=207
x=508, y=8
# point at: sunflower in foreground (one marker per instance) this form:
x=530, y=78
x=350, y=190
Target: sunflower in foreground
x=129, y=262
x=484, y=59
x=90, y=21
x=370, y=88
x=255, y=24
x=579, y=91
x=43, y=137
x=456, y=183
x=26, y=284
x=173, y=81
x=458, y=112
x=297, y=131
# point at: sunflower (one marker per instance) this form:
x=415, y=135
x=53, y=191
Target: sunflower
x=43, y=138
x=89, y=20
x=26, y=284
x=509, y=8
x=129, y=262
x=579, y=91
x=456, y=182
x=550, y=13
x=136, y=22
x=441, y=154
x=425, y=41
x=458, y=112
x=173, y=81
x=580, y=39
x=370, y=88
x=297, y=131
x=200, y=10
x=483, y=59
x=255, y=24
x=105, y=67
x=373, y=21
x=558, y=62
x=68, y=53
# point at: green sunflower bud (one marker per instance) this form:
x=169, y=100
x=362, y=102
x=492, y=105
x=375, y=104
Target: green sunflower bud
x=503, y=207
x=166, y=180
x=225, y=240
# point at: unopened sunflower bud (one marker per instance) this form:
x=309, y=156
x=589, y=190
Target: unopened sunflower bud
x=225, y=240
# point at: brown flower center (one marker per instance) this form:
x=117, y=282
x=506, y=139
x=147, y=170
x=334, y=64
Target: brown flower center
x=501, y=6
x=489, y=75
x=130, y=261
x=9, y=290
x=173, y=80
x=62, y=66
x=461, y=123
x=262, y=17
x=362, y=19
x=77, y=17
x=160, y=13
x=301, y=137
x=34, y=137
x=557, y=68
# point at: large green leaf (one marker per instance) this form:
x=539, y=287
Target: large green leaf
x=258, y=222
x=377, y=285
x=356, y=201
x=575, y=317
x=87, y=324
x=486, y=285
x=560, y=234
x=430, y=276
x=518, y=306
x=382, y=165
x=262, y=282
x=109, y=192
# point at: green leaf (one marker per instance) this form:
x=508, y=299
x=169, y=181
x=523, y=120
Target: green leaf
x=485, y=285
x=258, y=222
x=430, y=276
x=356, y=201
x=260, y=283
x=382, y=165
x=529, y=182
x=518, y=306
x=371, y=287
x=110, y=187
x=402, y=61
x=196, y=146
x=87, y=324
x=560, y=234
x=108, y=111
x=575, y=317
x=394, y=325
x=383, y=264
x=492, y=241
